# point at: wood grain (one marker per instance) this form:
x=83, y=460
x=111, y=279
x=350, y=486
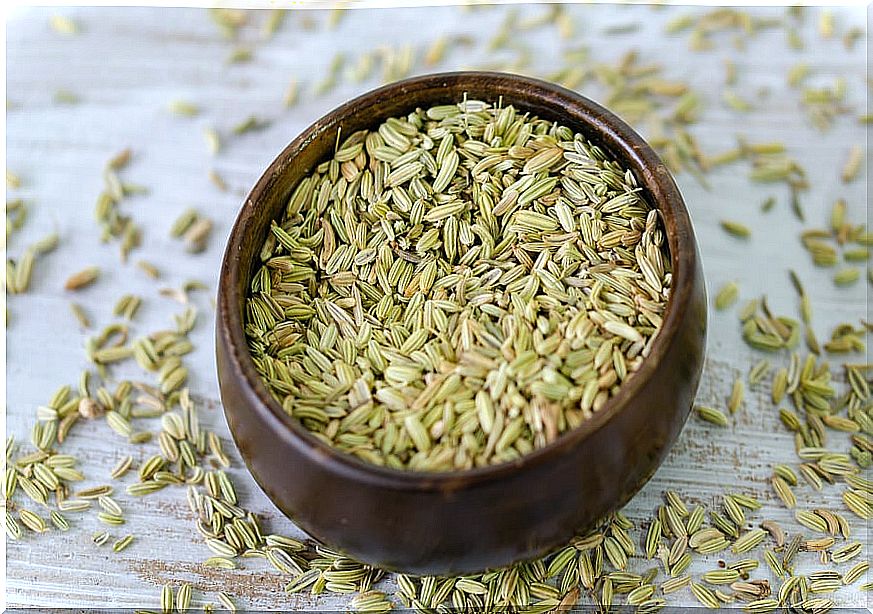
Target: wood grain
x=128, y=64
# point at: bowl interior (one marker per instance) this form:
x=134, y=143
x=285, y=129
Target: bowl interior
x=268, y=198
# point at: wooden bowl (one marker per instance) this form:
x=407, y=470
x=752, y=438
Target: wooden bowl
x=451, y=523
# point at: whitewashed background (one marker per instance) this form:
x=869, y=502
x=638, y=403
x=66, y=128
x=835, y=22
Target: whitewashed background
x=128, y=64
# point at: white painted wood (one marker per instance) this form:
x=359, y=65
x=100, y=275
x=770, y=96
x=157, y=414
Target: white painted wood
x=128, y=64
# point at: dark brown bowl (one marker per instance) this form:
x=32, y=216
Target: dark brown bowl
x=449, y=523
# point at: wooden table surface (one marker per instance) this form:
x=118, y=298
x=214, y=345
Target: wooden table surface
x=126, y=66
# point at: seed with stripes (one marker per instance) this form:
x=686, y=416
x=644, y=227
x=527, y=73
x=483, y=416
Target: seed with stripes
x=122, y=543
x=748, y=541
x=720, y=576
x=811, y=520
x=857, y=570
x=711, y=415
x=705, y=596
x=32, y=521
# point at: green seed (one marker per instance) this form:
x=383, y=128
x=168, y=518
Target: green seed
x=847, y=276
x=32, y=521
x=705, y=596
x=748, y=541
x=167, y=599
x=853, y=164
x=184, y=108
x=857, y=570
x=811, y=521
x=736, y=229
x=727, y=295
x=736, y=398
x=122, y=543
x=761, y=606
x=711, y=415
x=226, y=601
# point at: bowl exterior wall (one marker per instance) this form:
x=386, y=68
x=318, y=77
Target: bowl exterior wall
x=471, y=521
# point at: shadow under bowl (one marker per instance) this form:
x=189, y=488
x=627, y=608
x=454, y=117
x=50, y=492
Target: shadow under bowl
x=453, y=523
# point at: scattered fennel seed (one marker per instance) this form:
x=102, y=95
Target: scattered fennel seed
x=63, y=96
x=274, y=22
x=736, y=229
x=711, y=415
x=63, y=25
x=149, y=269
x=733, y=101
x=184, y=108
x=213, y=140
x=847, y=276
x=250, y=124
x=736, y=396
x=82, y=279
x=727, y=296
x=80, y=315
x=240, y=55
x=292, y=94
x=218, y=181
x=12, y=180
x=122, y=543
x=853, y=164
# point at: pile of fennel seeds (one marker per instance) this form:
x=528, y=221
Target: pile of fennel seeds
x=456, y=288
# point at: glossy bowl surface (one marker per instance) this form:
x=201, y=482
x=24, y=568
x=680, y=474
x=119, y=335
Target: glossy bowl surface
x=449, y=523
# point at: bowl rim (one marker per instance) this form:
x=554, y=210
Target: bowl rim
x=603, y=123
